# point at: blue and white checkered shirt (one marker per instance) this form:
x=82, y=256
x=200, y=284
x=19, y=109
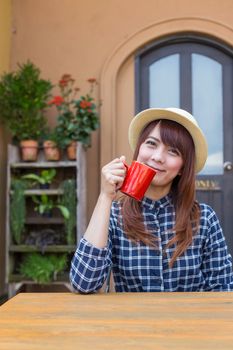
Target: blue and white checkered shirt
x=205, y=266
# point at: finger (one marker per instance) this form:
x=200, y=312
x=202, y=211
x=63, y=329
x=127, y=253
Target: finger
x=119, y=160
x=118, y=172
x=114, y=169
x=113, y=179
x=114, y=161
x=116, y=165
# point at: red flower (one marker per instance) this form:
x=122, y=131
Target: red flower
x=63, y=82
x=85, y=104
x=57, y=101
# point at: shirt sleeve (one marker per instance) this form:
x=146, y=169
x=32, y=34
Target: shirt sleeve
x=89, y=267
x=217, y=262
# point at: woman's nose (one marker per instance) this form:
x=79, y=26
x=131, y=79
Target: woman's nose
x=158, y=156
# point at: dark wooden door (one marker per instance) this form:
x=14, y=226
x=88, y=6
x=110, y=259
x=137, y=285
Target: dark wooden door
x=196, y=75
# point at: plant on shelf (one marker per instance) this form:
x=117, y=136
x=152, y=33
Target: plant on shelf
x=42, y=238
x=42, y=268
x=77, y=117
x=44, y=179
x=45, y=205
x=52, y=144
x=69, y=201
x=23, y=100
x=17, y=210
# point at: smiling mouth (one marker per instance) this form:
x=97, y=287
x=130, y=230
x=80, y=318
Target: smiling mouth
x=160, y=171
x=157, y=169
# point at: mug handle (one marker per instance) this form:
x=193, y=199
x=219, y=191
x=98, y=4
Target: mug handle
x=126, y=165
x=127, y=168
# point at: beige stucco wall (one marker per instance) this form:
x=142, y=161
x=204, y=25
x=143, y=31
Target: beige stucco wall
x=5, y=34
x=90, y=38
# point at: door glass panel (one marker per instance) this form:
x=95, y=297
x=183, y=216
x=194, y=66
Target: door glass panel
x=207, y=107
x=164, y=82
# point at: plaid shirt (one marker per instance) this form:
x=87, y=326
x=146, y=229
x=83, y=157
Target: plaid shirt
x=205, y=265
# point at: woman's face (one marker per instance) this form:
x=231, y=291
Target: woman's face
x=166, y=160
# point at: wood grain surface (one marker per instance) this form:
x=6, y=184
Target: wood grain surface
x=117, y=321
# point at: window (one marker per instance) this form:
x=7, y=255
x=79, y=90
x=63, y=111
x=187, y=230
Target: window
x=193, y=74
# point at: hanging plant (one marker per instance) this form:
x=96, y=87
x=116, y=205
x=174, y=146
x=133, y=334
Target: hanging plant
x=17, y=210
x=69, y=201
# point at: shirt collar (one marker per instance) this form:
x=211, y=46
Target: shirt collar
x=156, y=204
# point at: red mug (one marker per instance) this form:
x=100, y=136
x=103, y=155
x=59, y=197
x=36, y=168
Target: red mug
x=137, y=180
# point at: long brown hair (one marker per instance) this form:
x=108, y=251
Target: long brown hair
x=182, y=192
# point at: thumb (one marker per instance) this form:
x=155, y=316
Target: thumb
x=122, y=158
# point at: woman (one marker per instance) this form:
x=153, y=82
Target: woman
x=168, y=241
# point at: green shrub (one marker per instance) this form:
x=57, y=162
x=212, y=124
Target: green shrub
x=23, y=99
x=42, y=268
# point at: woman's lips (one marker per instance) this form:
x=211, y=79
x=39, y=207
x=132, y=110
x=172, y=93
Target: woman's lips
x=156, y=169
x=159, y=171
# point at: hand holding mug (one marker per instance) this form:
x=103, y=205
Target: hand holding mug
x=113, y=175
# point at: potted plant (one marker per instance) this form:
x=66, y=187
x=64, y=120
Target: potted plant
x=77, y=117
x=23, y=99
x=52, y=146
x=45, y=205
x=44, y=179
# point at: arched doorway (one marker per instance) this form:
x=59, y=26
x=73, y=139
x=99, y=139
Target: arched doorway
x=195, y=73
x=119, y=97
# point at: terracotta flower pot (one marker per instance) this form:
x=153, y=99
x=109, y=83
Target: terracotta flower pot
x=71, y=150
x=29, y=150
x=51, y=151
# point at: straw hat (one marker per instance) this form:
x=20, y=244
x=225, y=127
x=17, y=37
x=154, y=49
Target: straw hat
x=177, y=115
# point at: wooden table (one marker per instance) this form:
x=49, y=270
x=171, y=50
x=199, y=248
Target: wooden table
x=117, y=321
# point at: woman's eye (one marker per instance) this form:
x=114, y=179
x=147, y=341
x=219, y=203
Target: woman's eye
x=150, y=142
x=174, y=151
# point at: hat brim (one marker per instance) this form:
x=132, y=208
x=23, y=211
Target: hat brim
x=182, y=117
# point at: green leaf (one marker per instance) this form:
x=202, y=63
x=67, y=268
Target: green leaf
x=64, y=211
